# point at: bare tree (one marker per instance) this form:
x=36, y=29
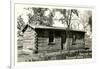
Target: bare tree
x=86, y=20
x=90, y=23
x=38, y=18
x=20, y=24
x=67, y=16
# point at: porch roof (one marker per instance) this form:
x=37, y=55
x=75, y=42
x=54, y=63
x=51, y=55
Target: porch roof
x=51, y=28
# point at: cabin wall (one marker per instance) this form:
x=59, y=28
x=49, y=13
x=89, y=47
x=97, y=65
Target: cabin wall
x=78, y=42
x=43, y=42
x=38, y=39
x=29, y=39
x=75, y=40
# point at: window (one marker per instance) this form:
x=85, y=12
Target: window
x=51, y=38
x=74, y=40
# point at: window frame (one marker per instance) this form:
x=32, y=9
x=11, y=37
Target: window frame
x=51, y=34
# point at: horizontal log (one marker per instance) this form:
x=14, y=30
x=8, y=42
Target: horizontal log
x=42, y=45
x=42, y=38
x=42, y=42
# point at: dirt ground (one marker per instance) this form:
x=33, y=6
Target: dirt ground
x=60, y=55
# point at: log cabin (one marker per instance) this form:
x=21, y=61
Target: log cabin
x=51, y=39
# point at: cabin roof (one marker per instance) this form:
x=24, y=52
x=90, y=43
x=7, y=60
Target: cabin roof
x=51, y=28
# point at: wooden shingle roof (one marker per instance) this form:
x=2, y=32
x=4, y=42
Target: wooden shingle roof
x=51, y=28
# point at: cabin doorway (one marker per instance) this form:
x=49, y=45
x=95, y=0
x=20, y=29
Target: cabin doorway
x=62, y=43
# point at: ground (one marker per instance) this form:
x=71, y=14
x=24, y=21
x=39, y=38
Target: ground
x=28, y=56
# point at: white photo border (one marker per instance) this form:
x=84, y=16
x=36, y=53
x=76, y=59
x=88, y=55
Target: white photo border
x=15, y=64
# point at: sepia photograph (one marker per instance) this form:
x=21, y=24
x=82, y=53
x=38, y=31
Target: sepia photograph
x=45, y=33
